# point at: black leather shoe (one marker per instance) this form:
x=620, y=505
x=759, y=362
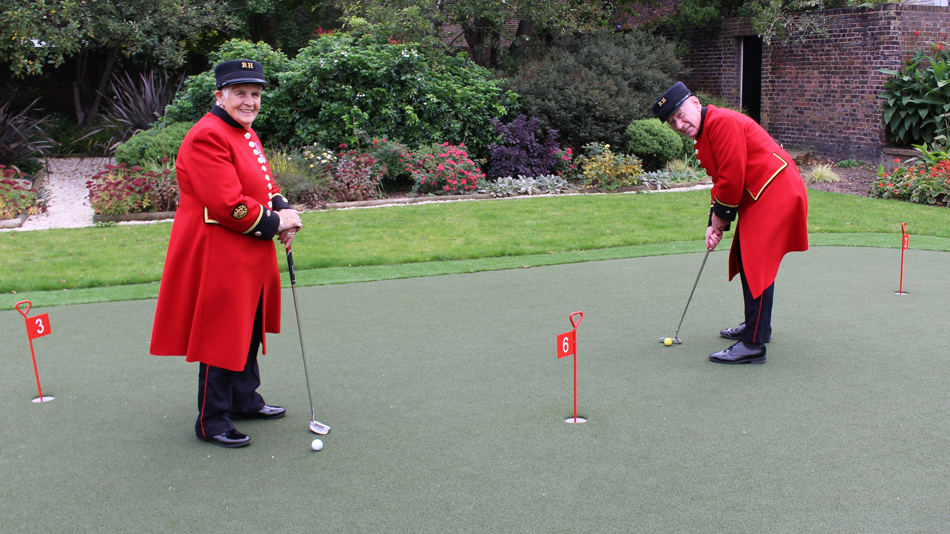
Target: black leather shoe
x=230, y=439
x=736, y=333
x=267, y=412
x=741, y=352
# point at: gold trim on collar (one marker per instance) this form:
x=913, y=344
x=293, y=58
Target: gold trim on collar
x=755, y=197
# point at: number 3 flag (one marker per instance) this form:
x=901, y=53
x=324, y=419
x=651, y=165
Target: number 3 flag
x=38, y=326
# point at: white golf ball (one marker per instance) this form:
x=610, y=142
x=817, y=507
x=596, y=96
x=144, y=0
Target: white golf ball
x=316, y=445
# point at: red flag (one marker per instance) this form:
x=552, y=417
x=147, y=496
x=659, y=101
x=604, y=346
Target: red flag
x=38, y=326
x=567, y=344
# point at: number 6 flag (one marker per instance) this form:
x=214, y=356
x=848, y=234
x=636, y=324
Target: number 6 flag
x=37, y=326
x=567, y=346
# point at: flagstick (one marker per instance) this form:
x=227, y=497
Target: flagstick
x=905, y=242
x=36, y=371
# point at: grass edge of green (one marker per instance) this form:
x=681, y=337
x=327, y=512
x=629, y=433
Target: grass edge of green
x=373, y=273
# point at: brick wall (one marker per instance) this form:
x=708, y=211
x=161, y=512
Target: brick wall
x=821, y=94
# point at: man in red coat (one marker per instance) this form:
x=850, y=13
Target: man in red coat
x=220, y=289
x=756, y=181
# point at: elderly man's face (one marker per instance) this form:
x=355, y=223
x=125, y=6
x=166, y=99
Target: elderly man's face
x=687, y=118
x=241, y=101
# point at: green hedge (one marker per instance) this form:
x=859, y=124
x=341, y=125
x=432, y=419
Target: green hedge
x=655, y=143
x=340, y=89
x=197, y=94
x=589, y=88
x=147, y=148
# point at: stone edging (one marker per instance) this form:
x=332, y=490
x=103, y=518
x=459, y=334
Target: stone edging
x=148, y=216
x=15, y=222
x=410, y=200
x=486, y=196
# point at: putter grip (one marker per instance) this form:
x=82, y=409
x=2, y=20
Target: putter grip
x=290, y=267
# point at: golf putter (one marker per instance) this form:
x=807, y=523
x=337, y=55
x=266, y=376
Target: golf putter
x=315, y=426
x=676, y=336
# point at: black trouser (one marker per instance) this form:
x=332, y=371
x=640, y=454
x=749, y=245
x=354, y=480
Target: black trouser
x=758, y=311
x=222, y=392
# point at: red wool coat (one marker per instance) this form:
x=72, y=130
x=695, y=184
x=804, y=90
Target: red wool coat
x=754, y=178
x=221, y=256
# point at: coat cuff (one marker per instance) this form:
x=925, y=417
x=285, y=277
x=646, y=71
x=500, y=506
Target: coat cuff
x=712, y=210
x=724, y=211
x=266, y=228
x=280, y=203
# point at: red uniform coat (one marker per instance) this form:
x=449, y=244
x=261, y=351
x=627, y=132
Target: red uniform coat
x=221, y=257
x=754, y=178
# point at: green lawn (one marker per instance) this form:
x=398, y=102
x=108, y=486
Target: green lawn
x=125, y=262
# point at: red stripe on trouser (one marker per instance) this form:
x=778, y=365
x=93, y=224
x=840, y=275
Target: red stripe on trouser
x=758, y=318
x=204, y=400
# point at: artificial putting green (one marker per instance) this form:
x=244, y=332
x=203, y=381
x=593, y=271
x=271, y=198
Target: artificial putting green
x=448, y=404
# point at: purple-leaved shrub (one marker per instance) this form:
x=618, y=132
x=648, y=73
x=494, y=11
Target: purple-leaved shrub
x=522, y=152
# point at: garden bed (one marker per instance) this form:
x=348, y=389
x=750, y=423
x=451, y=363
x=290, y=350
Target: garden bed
x=18, y=221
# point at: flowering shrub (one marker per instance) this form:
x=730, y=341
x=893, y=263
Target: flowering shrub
x=15, y=196
x=922, y=183
x=521, y=151
x=119, y=190
x=352, y=176
x=444, y=168
x=564, y=165
x=602, y=168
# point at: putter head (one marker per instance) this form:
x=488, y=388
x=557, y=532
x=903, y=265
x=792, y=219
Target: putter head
x=319, y=428
x=676, y=341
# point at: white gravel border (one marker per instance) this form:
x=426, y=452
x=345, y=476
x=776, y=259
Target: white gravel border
x=68, y=203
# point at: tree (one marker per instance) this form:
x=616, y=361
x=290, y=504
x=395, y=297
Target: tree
x=38, y=33
x=486, y=25
x=283, y=24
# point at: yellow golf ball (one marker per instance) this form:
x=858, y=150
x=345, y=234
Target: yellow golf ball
x=668, y=341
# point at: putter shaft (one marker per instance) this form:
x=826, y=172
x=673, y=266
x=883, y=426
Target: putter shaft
x=293, y=289
x=676, y=336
